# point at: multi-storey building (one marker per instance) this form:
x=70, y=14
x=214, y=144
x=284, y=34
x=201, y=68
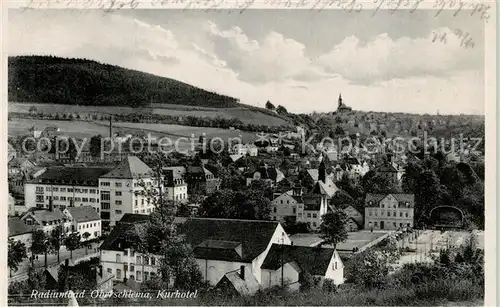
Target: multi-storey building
x=65, y=187
x=200, y=179
x=286, y=207
x=389, y=211
x=175, y=186
x=129, y=188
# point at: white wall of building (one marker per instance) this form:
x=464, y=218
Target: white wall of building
x=271, y=278
x=35, y=193
x=335, y=269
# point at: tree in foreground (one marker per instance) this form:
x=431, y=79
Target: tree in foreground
x=16, y=254
x=160, y=237
x=72, y=242
x=333, y=228
x=56, y=240
x=39, y=244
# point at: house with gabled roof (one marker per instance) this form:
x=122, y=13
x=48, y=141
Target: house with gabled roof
x=288, y=207
x=220, y=246
x=47, y=220
x=354, y=219
x=389, y=211
x=291, y=261
x=19, y=231
x=84, y=219
x=237, y=283
x=318, y=201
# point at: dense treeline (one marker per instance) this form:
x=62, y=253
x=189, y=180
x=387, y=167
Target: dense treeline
x=48, y=79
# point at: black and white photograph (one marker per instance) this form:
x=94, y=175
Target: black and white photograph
x=338, y=155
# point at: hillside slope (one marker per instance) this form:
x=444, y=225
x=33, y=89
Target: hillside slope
x=47, y=79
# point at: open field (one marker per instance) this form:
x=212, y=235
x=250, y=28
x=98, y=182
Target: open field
x=244, y=114
x=85, y=130
x=187, y=131
x=76, y=129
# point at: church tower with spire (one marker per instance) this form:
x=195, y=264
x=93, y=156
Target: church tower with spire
x=341, y=106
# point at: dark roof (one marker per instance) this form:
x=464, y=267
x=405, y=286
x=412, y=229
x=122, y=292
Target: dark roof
x=47, y=215
x=401, y=198
x=86, y=176
x=117, y=239
x=375, y=198
x=312, y=202
x=17, y=227
x=247, y=286
x=298, y=199
x=83, y=214
x=314, y=260
x=404, y=197
x=133, y=218
x=130, y=168
x=222, y=252
x=254, y=236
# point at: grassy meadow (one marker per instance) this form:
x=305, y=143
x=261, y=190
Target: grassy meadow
x=246, y=115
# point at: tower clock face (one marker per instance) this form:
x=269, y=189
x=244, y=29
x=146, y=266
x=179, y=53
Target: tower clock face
x=128, y=184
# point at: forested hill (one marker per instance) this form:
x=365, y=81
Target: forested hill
x=48, y=79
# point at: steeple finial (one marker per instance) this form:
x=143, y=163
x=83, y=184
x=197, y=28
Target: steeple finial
x=340, y=99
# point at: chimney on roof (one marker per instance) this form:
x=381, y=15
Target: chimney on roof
x=322, y=172
x=110, y=128
x=242, y=272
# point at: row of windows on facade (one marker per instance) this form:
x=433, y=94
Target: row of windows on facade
x=107, y=206
x=49, y=232
x=314, y=224
x=309, y=215
x=389, y=213
x=393, y=224
x=39, y=198
x=398, y=205
x=88, y=225
x=145, y=260
x=147, y=275
x=181, y=196
x=71, y=190
x=46, y=223
x=119, y=184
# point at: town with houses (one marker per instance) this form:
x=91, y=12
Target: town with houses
x=255, y=216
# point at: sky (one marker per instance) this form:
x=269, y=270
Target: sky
x=300, y=59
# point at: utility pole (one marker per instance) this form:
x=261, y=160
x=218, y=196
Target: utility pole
x=282, y=264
